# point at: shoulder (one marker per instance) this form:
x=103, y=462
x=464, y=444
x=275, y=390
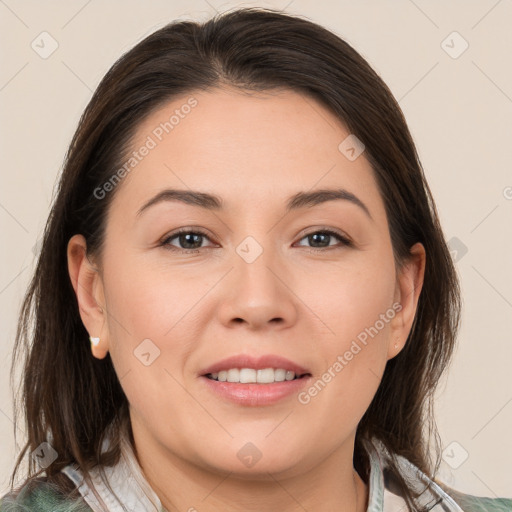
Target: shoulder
x=471, y=503
x=38, y=494
x=448, y=499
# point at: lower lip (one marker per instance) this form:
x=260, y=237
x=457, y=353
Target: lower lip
x=256, y=394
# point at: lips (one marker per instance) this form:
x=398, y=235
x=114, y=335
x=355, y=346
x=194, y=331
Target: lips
x=256, y=362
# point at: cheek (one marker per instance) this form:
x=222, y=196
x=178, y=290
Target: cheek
x=354, y=305
x=149, y=301
x=353, y=364
x=152, y=329
x=349, y=297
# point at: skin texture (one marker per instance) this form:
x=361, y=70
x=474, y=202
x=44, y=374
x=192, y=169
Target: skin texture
x=254, y=150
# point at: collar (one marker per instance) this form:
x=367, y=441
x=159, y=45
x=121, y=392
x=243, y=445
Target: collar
x=384, y=496
x=122, y=488
x=125, y=488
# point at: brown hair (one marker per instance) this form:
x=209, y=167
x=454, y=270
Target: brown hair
x=74, y=397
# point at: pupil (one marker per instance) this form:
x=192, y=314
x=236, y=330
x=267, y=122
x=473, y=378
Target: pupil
x=188, y=238
x=316, y=235
x=195, y=238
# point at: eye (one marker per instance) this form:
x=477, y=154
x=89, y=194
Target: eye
x=189, y=240
x=192, y=240
x=324, y=237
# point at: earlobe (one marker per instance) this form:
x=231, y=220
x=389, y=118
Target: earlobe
x=97, y=349
x=394, y=349
x=88, y=286
x=408, y=290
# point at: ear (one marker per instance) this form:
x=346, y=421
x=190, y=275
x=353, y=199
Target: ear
x=407, y=292
x=88, y=285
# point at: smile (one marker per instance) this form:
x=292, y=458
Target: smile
x=253, y=376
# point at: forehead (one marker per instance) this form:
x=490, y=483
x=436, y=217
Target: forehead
x=247, y=147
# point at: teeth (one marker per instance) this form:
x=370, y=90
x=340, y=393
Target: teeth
x=250, y=375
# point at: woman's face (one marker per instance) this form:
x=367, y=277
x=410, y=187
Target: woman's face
x=256, y=276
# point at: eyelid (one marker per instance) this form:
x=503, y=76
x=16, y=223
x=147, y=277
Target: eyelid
x=190, y=229
x=344, y=240
x=324, y=229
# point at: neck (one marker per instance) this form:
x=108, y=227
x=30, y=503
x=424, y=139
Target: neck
x=331, y=485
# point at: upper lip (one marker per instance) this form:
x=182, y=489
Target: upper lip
x=256, y=362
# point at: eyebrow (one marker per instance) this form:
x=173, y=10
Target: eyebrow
x=295, y=202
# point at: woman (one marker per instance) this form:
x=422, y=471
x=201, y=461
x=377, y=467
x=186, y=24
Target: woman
x=200, y=351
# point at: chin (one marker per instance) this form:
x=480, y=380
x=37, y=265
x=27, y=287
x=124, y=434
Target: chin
x=254, y=461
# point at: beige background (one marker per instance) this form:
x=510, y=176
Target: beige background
x=459, y=111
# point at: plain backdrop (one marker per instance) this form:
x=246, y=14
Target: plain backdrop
x=447, y=63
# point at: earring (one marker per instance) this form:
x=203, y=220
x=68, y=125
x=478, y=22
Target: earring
x=396, y=344
x=94, y=341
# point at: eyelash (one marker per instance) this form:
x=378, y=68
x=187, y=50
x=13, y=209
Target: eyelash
x=166, y=245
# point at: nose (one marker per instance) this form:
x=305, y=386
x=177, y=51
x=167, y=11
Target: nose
x=259, y=294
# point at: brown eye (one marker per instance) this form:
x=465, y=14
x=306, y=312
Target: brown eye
x=187, y=240
x=322, y=239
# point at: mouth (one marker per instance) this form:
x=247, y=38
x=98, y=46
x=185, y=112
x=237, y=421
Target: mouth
x=255, y=381
x=264, y=368
x=263, y=376
x=254, y=394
